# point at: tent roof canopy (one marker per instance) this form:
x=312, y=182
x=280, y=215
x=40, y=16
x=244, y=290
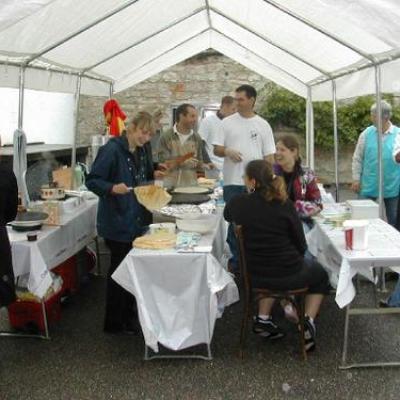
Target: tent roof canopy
x=296, y=44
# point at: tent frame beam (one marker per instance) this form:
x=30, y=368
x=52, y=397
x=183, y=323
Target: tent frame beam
x=130, y=47
x=21, y=97
x=75, y=137
x=82, y=30
x=335, y=140
x=272, y=43
x=260, y=57
x=341, y=73
x=317, y=28
x=208, y=13
x=167, y=51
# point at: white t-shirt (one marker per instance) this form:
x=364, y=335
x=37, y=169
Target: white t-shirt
x=252, y=137
x=183, y=138
x=208, y=128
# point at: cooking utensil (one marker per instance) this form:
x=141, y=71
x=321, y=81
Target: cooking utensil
x=181, y=198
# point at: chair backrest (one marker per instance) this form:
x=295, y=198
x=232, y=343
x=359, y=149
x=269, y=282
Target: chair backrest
x=242, y=259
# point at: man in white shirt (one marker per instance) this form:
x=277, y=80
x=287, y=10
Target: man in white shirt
x=244, y=137
x=209, y=127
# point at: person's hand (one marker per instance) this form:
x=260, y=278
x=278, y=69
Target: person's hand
x=209, y=166
x=192, y=163
x=120, y=189
x=159, y=174
x=234, y=155
x=355, y=186
x=397, y=158
x=163, y=167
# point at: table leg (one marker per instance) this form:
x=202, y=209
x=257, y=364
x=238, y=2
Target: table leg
x=96, y=242
x=345, y=337
x=46, y=326
x=148, y=357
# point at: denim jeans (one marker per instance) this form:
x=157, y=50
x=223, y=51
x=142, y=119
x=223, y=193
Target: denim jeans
x=391, y=206
x=230, y=191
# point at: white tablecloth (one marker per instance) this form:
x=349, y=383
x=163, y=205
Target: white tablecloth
x=328, y=245
x=179, y=295
x=55, y=244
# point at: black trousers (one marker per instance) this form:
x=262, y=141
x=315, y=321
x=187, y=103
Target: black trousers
x=120, y=305
x=311, y=274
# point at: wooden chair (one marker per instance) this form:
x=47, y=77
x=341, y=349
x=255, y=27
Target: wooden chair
x=254, y=294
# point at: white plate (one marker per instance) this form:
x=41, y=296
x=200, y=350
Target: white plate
x=191, y=190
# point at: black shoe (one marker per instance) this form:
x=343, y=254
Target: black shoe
x=267, y=328
x=309, y=335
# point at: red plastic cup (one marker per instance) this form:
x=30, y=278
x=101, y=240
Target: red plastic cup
x=348, y=233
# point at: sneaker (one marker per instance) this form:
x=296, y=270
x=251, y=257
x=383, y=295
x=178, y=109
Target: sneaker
x=267, y=328
x=291, y=313
x=309, y=334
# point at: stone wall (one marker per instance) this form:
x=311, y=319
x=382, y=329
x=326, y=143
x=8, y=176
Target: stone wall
x=202, y=79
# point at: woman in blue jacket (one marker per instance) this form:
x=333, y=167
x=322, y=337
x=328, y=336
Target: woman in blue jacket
x=120, y=165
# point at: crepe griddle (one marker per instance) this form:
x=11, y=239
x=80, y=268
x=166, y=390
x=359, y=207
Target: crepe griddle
x=184, y=198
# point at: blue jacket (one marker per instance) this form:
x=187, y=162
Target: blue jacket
x=119, y=217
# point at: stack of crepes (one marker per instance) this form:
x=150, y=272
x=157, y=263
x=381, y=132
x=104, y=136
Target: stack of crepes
x=152, y=197
x=156, y=241
x=114, y=117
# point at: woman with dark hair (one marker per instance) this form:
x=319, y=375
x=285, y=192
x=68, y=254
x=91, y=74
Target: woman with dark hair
x=301, y=182
x=8, y=212
x=275, y=244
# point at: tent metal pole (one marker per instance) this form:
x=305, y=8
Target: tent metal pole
x=272, y=43
x=133, y=45
x=21, y=97
x=82, y=30
x=260, y=57
x=310, y=129
x=380, y=132
x=111, y=90
x=335, y=139
x=315, y=27
x=76, y=120
x=208, y=13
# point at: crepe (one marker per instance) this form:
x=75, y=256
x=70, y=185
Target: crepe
x=156, y=241
x=191, y=190
x=207, y=182
x=152, y=197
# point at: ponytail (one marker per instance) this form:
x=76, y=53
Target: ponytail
x=270, y=186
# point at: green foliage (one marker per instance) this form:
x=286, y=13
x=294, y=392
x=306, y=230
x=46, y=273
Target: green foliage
x=285, y=109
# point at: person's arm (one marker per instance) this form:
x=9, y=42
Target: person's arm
x=205, y=155
x=268, y=142
x=164, y=152
x=220, y=148
x=296, y=229
x=98, y=181
x=396, y=148
x=12, y=199
x=357, y=162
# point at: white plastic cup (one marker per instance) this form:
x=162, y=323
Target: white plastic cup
x=360, y=232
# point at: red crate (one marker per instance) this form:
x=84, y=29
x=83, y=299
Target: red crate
x=68, y=270
x=21, y=314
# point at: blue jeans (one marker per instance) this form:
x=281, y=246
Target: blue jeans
x=230, y=191
x=391, y=205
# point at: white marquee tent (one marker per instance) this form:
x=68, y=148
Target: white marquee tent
x=318, y=49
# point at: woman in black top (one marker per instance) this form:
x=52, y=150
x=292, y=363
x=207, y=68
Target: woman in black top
x=8, y=211
x=275, y=245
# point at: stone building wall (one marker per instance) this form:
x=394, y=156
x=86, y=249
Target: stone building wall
x=202, y=79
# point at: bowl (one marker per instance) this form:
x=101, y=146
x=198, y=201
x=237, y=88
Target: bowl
x=199, y=223
x=166, y=227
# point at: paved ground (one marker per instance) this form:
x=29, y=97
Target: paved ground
x=80, y=362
